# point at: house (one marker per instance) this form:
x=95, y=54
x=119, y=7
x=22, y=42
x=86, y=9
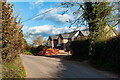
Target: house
x=107, y=32
x=52, y=41
x=62, y=41
x=65, y=39
x=111, y=32
x=85, y=34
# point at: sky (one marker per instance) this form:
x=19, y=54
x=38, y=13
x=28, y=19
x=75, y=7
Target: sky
x=51, y=23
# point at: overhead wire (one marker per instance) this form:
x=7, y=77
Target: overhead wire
x=40, y=14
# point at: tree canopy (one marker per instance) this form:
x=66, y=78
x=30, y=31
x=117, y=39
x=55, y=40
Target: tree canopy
x=94, y=14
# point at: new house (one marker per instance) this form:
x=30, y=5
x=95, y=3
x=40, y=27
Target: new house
x=62, y=41
x=52, y=41
x=65, y=39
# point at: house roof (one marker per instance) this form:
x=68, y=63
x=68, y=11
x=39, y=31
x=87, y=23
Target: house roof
x=69, y=35
x=115, y=31
x=85, y=32
x=54, y=37
x=87, y=29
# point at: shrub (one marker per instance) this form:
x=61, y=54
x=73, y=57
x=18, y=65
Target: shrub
x=98, y=51
x=12, y=43
x=106, y=53
x=80, y=48
x=12, y=35
x=39, y=48
x=34, y=50
x=27, y=53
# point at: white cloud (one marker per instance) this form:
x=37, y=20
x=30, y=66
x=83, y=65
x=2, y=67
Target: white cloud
x=38, y=3
x=54, y=15
x=47, y=30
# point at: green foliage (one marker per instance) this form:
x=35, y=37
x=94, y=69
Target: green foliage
x=33, y=49
x=98, y=51
x=80, y=48
x=12, y=43
x=39, y=48
x=12, y=35
x=94, y=14
x=106, y=53
x=27, y=53
x=13, y=69
x=25, y=41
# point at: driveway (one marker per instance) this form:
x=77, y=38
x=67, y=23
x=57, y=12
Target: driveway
x=50, y=67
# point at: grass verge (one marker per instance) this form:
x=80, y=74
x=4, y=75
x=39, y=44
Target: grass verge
x=28, y=53
x=13, y=69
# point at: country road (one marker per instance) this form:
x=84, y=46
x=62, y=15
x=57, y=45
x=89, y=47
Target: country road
x=47, y=67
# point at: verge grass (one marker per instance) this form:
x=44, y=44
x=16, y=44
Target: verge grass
x=13, y=69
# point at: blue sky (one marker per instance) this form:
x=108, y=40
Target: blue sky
x=51, y=23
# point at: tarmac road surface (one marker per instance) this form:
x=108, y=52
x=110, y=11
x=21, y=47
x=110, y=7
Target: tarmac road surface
x=48, y=67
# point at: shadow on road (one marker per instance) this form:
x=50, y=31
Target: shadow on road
x=57, y=66
x=69, y=69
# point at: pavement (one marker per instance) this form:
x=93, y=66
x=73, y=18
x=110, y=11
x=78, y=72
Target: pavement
x=55, y=67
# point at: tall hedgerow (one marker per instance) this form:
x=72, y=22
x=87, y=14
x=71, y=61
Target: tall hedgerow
x=12, y=44
x=12, y=35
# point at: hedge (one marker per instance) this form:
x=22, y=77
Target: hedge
x=107, y=53
x=80, y=48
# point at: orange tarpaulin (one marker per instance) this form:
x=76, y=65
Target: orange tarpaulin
x=50, y=51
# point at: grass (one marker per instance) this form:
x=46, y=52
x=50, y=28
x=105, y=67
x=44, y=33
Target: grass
x=27, y=53
x=13, y=69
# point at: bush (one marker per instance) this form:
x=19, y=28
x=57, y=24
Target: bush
x=80, y=48
x=12, y=43
x=12, y=34
x=39, y=48
x=34, y=50
x=98, y=52
x=27, y=53
x=106, y=53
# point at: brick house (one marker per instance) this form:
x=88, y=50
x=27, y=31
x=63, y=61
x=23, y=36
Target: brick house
x=65, y=39
x=62, y=41
x=52, y=41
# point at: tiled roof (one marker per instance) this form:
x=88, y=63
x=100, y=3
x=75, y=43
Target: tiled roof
x=84, y=32
x=54, y=37
x=69, y=35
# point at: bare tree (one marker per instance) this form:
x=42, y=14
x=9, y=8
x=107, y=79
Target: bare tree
x=37, y=40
